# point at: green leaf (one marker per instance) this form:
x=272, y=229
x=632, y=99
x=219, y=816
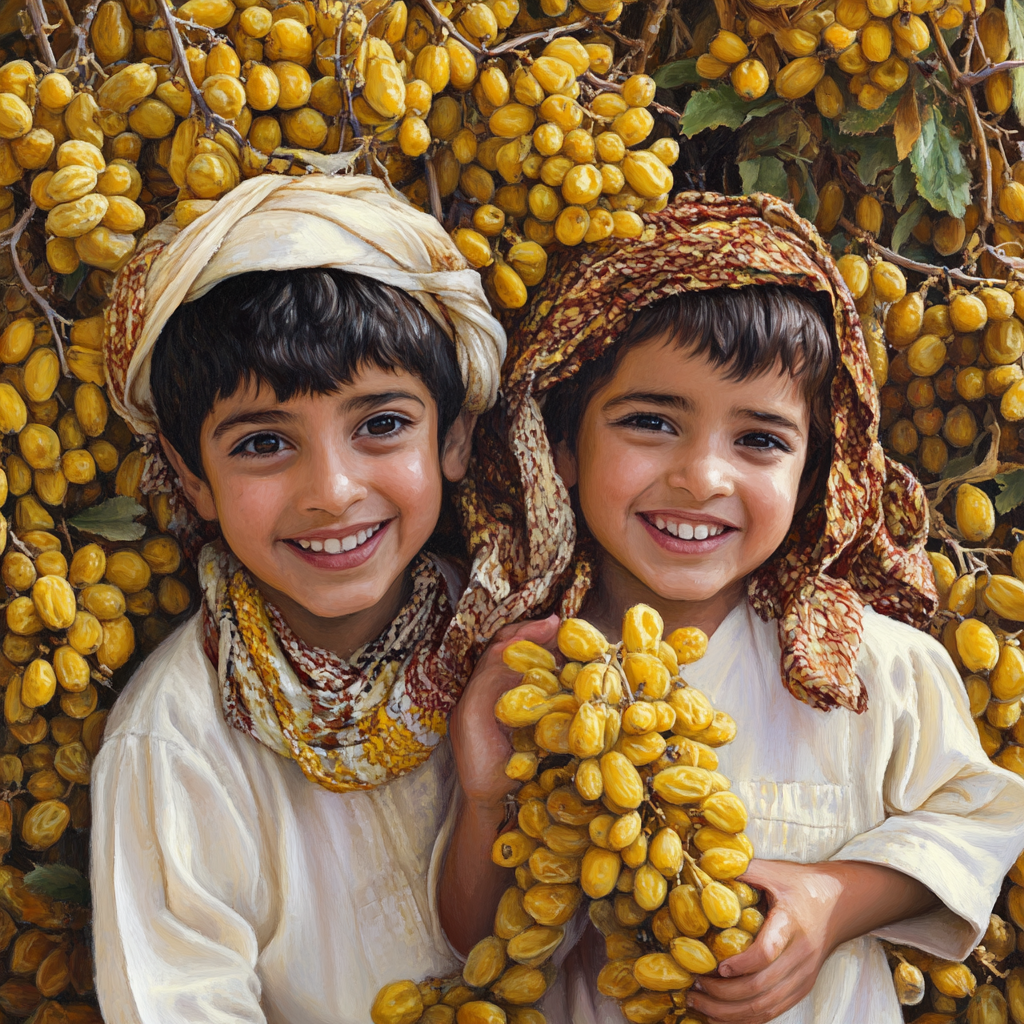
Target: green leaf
x=838, y=243
x=943, y=177
x=857, y=121
x=808, y=205
x=679, y=72
x=907, y=223
x=113, y=520
x=719, y=107
x=59, y=882
x=764, y=174
x=876, y=155
x=1011, y=489
x=1015, y=24
x=902, y=183
x=69, y=282
x=957, y=466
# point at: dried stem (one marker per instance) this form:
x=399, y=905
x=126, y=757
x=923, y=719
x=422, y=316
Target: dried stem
x=974, y=77
x=901, y=261
x=441, y=21
x=39, y=27
x=212, y=120
x=546, y=35
x=52, y=316
x=82, y=52
x=649, y=33
x=977, y=126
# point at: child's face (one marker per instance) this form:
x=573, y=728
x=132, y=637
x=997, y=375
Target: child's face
x=326, y=499
x=687, y=479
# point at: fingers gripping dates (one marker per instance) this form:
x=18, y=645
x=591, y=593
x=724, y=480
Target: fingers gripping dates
x=622, y=808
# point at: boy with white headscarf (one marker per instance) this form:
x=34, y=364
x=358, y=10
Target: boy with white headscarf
x=271, y=797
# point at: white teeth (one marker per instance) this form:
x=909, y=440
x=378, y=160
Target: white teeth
x=659, y=523
x=673, y=529
x=685, y=531
x=334, y=546
x=700, y=532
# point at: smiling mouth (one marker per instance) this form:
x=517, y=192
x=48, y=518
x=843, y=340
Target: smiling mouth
x=683, y=529
x=339, y=545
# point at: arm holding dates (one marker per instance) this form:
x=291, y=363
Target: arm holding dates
x=471, y=884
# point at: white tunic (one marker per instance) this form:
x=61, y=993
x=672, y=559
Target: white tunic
x=228, y=887
x=905, y=785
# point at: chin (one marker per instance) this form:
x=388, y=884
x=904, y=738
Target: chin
x=673, y=588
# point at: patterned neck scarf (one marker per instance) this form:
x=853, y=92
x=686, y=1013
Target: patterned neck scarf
x=862, y=544
x=349, y=723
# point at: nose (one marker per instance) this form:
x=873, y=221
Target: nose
x=703, y=471
x=330, y=482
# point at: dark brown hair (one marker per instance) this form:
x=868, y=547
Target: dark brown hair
x=298, y=332
x=749, y=331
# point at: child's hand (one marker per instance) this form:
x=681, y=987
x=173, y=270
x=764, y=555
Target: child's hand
x=813, y=909
x=782, y=964
x=480, y=743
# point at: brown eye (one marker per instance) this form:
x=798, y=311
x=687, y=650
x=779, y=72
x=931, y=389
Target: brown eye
x=259, y=444
x=381, y=425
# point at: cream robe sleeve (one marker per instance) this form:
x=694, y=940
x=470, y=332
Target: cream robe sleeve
x=953, y=819
x=178, y=941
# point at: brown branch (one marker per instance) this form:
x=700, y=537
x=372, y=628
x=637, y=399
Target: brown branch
x=602, y=83
x=649, y=33
x=213, y=121
x=441, y=21
x=975, y=77
x=547, y=34
x=433, y=190
x=977, y=126
x=928, y=269
x=82, y=52
x=52, y=316
x=39, y=26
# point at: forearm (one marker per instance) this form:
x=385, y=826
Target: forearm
x=871, y=896
x=471, y=883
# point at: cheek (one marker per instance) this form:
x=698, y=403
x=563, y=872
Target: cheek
x=774, y=501
x=411, y=482
x=610, y=477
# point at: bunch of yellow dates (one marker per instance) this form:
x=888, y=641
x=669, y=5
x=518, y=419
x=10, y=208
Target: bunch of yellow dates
x=621, y=807
x=867, y=44
x=530, y=144
x=946, y=371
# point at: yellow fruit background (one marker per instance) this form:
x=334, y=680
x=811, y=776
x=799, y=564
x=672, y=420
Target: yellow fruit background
x=524, y=126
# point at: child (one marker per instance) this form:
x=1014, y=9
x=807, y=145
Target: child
x=274, y=778
x=720, y=447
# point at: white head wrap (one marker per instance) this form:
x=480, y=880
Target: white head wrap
x=273, y=222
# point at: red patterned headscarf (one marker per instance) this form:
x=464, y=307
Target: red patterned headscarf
x=863, y=543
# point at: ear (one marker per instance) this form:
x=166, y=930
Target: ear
x=458, y=445
x=565, y=464
x=196, y=489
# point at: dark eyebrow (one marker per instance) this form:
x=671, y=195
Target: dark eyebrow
x=264, y=417
x=770, y=417
x=650, y=398
x=360, y=402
